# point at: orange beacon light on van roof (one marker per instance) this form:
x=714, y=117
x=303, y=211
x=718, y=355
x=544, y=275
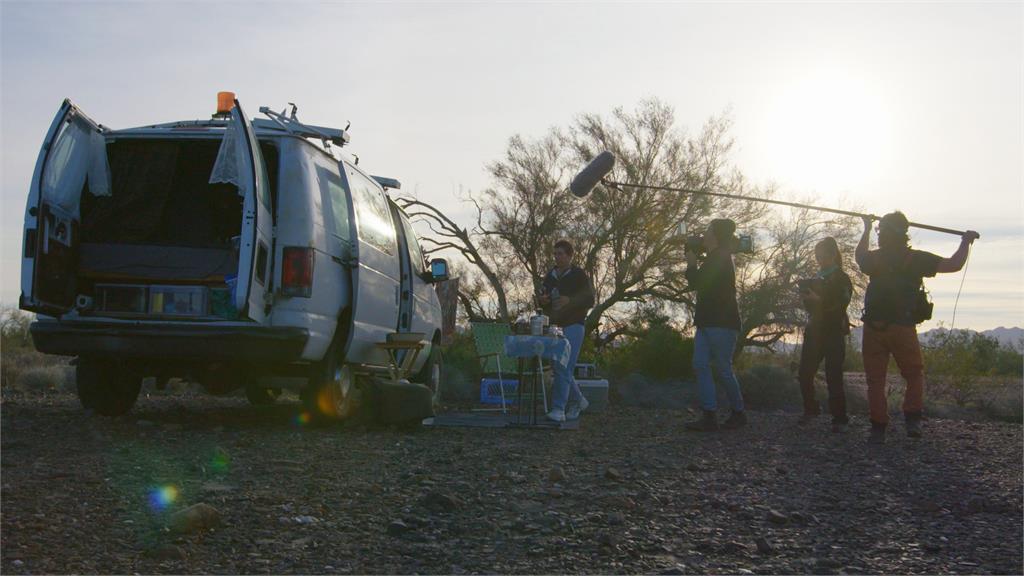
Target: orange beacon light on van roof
x=225, y=102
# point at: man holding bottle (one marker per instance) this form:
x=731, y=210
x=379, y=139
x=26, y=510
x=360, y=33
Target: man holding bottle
x=567, y=296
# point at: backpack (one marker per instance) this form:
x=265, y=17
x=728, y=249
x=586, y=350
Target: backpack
x=898, y=296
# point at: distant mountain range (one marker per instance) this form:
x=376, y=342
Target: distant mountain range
x=1009, y=337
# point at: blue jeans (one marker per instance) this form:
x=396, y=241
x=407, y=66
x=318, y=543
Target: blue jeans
x=565, y=389
x=715, y=346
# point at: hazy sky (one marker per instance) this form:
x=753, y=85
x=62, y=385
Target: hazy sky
x=915, y=106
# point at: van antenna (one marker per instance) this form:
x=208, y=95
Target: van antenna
x=347, y=125
x=356, y=156
x=295, y=109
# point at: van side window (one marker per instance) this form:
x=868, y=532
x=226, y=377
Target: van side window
x=271, y=164
x=372, y=214
x=339, y=205
x=415, y=252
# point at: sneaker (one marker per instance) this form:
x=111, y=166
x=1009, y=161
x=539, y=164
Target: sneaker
x=574, y=411
x=735, y=420
x=708, y=422
x=556, y=415
x=877, y=434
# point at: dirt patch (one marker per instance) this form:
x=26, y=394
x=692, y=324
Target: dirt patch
x=83, y=493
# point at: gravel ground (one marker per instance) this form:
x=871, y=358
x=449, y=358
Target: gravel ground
x=630, y=492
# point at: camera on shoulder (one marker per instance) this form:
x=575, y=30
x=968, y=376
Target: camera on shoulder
x=741, y=244
x=805, y=285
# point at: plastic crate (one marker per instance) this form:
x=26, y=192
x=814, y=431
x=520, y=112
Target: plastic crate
x=490, y=393
x=585, y=372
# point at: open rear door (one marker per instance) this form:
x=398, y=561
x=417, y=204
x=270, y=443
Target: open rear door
x=256, y=246
x=72, y=162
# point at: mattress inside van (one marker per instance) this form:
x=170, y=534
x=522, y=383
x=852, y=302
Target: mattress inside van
x=142, y=263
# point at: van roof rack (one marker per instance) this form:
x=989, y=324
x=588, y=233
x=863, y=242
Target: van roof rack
x=291, y=124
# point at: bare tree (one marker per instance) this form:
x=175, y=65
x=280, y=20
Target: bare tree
x=627, y=238
x=448, y=235
x=770, y=305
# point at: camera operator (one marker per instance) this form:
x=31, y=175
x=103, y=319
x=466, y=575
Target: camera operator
x=717, y=319
x=826, y=298
x=894, y=304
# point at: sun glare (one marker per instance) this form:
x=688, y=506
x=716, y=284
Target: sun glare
x=830, y=129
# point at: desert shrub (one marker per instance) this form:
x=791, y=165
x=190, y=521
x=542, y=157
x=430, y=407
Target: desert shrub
x=784, y=358
x=50, y=378
x=14, y=328
x=1003, y=399
x=854, y=360
x=21, y=366
x=958, y=359
x=461, y=370
x=19, y=360
x=1007, y=361
x=769, y=387
x=659, y=352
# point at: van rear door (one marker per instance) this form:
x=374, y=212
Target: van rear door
x=256, y=244
x=72, y=161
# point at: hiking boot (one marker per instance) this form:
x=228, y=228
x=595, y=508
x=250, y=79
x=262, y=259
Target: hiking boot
x=877, y=434
x=708, y=422
x=575, y=410
x=735, y=420
x=556, y=415
x=913, y=424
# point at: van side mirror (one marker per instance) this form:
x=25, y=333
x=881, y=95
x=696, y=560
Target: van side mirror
x=438, y=270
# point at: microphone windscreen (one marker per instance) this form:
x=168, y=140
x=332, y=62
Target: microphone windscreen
x=592, y=173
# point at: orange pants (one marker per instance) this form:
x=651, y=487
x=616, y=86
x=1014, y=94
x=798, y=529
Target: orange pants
x=901, y=342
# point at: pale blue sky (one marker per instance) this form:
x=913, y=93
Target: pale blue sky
x=914, y=106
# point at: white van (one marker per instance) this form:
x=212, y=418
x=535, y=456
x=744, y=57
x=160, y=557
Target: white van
x=239, y=254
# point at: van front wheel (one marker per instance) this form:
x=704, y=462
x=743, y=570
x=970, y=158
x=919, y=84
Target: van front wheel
x=331, y=392
x=432, y=373
x=107, y=386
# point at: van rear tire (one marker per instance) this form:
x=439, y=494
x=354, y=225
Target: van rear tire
x=331, y=393
x=106, y=386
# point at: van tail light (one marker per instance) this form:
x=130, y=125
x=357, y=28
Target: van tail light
x=297, y=272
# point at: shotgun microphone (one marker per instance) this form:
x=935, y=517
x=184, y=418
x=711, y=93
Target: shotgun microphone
x=592, y=173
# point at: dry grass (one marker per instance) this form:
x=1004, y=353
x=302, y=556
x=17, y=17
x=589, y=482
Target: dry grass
x=25, y=370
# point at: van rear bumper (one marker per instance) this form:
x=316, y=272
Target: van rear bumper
x=253, y=343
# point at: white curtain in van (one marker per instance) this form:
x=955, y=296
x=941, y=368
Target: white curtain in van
x=227, y=167
x=99, y=168
x=79, y=152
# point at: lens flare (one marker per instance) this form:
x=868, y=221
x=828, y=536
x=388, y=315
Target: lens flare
x=162, y=497
x=219, y=462
x=303, y=418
